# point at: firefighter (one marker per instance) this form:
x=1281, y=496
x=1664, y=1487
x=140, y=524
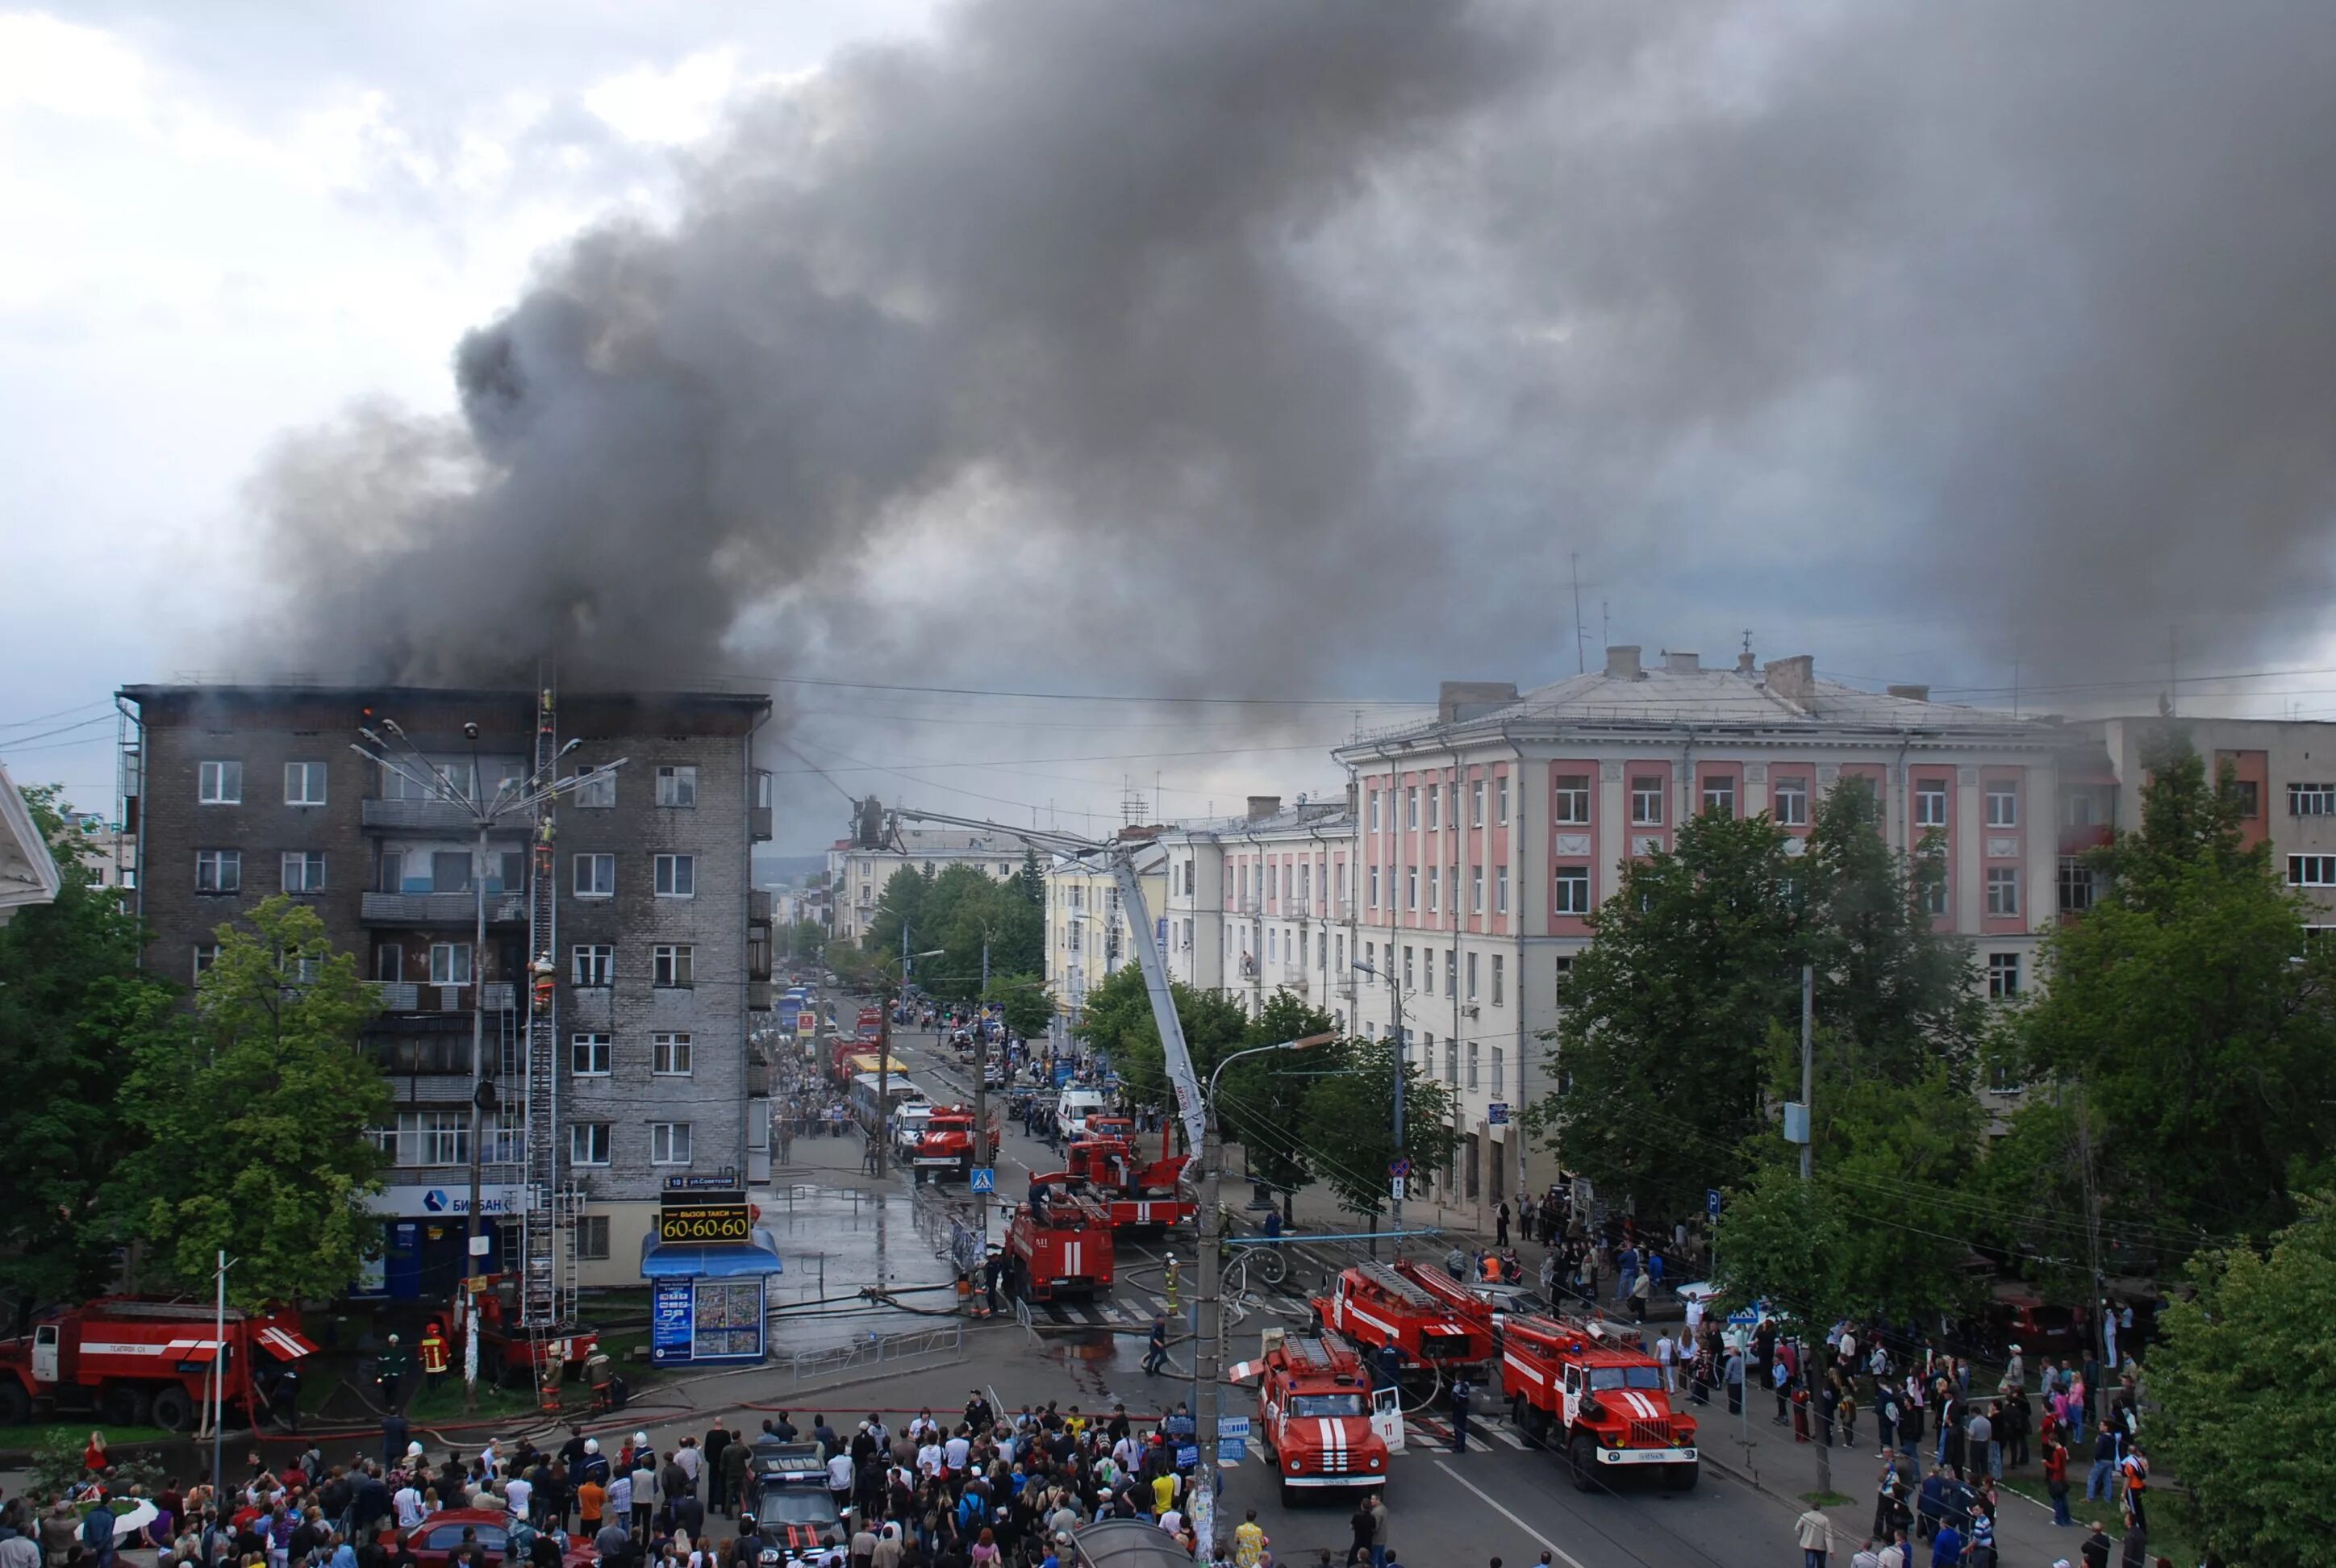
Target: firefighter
x=1169, y=1274
x=435, y=1354
x=389, y=1375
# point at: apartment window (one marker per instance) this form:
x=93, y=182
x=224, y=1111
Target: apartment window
x=1375, y=887
x=2003, y=975
x=1432, y=880
x=1501, y=889
x=1472, y=977
x=1371, y=960
x=1476, y=888
x=304, y=783
x=593, y=1239
x=1341, y=961
x=433, y=1138
x=1790, y=807
x=1409, y=982
x=2246, y=794
x=1931, y=804
x=2003, y=890
x=1472, y=1063
x=670, y=1056
x=676, y=876
x=1451, y=970
x=597, y=792
x=450, y=963
x=1435, y=818
x=669, y=1143
x=1375, y=811
x=1647, y=800
x=676, y=786
x=2077, y=887
x=1270, y=943
x=304, y=871
x=592, y=966
x=596, y=876
x=2087, y=805
x=1719, y=796
x=1500, y=799
x=2311, y=870
x=588, y=1056
x=2003, y=806
x=219, y=871
x=1572, y=891
x=206, y=955
x=1935, y=895
x=1451, y=1060
x=2312, y=800
x=1500, y=985
x=670, y=964
x=588, y=1143
x=1411, y=887
x=1476, y=804
x=1572, y=798
x=1411, y=806
x=218, y=784
x=1500, y=1072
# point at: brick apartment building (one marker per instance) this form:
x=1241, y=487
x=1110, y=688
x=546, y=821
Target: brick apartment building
x=662, y=950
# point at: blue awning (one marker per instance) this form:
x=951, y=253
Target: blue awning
x=709, y=1259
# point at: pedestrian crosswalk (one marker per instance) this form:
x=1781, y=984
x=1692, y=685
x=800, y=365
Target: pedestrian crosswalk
x=1117, y=1312
x=1435, y=1432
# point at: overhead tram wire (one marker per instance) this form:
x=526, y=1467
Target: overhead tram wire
x=60, y=713
x=1155, y=699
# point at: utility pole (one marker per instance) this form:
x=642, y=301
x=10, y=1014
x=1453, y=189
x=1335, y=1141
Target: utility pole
x=480, y=1089
x=882, y=1131
x=1402, y=1071
x=981, y=1154
x=219, y=1376
x=1808, y=1064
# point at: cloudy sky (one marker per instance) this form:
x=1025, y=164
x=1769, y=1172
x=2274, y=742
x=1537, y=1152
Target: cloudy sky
x=1305, y=351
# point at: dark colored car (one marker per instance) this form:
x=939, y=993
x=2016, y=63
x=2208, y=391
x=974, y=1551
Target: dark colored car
x=794, y=1513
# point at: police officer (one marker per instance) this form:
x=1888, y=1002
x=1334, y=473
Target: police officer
x=1462, y=1391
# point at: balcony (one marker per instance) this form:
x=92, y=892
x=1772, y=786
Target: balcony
x=440, y=909
x=760, y=995
x=1294, y=978
x=759, y=907
x=417, y=816
x=421, y=997
x=758, y=815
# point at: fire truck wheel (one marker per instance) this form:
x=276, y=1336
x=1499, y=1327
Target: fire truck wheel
x=1288, y=1496
x=1583, y=1454
x=173, y=1410
x=123, y=1405
x=1681, y=1478
x=1526, y=1420
x=15, y=1404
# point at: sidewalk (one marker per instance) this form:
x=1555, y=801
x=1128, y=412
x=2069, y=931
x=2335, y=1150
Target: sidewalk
x=1762, y=1456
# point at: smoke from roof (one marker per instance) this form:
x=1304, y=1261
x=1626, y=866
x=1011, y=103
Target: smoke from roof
x=1264, y=322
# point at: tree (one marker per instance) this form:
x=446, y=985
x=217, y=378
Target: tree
x=1023, y=1001
x=2242, y=1381
x=1348, y=1125
x=73, y=1000
x=1262, y=1102
x=1117, y=1021
x=901, y=905
x=805, y=939
x=256, y=1125
x=2193, y=1022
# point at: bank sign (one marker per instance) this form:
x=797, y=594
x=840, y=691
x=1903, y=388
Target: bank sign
x=421, y=1202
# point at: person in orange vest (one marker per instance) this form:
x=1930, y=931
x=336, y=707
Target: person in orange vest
x=434, y=1355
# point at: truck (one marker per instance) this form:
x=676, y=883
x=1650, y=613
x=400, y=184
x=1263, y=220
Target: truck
x=945, y=1148
x=1321, y=1424
x=1140, y=1197
x=511, y=1355
x=796, y=1523
x=1056, y=1245
x=1381, y=1304
x=139, y=1361
x=1575, y=1388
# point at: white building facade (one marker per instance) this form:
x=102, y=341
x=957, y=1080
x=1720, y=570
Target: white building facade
x=1263, y=902
x=1089, y=930
x=856, y=877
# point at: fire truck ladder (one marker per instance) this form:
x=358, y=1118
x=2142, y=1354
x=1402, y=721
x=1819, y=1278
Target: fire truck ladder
x=1306, y=1351
x=1384, y=1276
x=547, y=1288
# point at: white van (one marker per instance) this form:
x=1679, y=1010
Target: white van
x=1072, y=1111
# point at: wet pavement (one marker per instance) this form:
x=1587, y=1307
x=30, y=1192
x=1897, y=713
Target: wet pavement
x=838, y=1241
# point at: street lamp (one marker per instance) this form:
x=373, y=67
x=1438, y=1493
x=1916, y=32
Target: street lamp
x=394, y=751
x=1208, y=1354
x=1402, y=1062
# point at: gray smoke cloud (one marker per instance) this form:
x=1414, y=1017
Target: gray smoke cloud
x=1283, y=332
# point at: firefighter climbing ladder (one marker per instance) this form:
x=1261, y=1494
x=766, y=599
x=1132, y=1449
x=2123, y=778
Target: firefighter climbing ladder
x=547, y=1220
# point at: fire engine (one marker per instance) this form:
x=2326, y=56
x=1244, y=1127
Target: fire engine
x=1055, y=1245
x=509, y=1354
x=136, y=1360
x=1138, y=1197
x=1322, y=1426
x=1378, y=1304
x=946, y=1145
x=1573, y=1386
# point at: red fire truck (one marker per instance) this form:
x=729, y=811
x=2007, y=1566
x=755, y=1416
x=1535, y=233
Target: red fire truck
x=509, y=1354
x=945, y=1148
x=1320, y=1424
x=1138, y=1197
x=1378, y=1304
x=1058, y=1244
x=1574, y=1387
x=135, y=1360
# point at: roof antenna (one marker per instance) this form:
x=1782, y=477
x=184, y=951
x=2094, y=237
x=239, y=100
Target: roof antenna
x=1581, y=662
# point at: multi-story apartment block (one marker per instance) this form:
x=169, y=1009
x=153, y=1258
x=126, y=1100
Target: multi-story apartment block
x=108, y=854
x=856, y=876
x=1089, y=930
x=1264, y=902
x=661, y=950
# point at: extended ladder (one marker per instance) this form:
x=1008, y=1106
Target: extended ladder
x=547, y=1294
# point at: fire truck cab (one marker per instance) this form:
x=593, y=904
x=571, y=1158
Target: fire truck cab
x=1376, y=1304
x=1573, y=1387
x=133, y=1360
x=1320, y=1421
x=945, y=1147
x=1056, y=1245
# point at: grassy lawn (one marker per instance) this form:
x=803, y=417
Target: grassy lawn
x=76, y=1433
x=2170, y=1534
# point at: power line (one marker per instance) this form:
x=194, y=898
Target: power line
x=1093, y=697
x=62, y=729
x=45, y=717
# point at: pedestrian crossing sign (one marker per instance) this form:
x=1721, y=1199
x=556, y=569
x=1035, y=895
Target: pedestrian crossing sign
x=985, y=1178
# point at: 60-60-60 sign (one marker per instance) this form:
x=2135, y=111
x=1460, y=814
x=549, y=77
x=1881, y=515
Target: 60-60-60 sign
x=705, y=1222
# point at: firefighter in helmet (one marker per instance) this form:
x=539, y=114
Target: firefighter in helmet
x=435, y=1354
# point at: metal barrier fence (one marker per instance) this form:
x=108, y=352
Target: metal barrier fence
x=878, y=1352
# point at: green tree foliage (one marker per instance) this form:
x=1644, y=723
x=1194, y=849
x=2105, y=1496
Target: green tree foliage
x=966, y=907
x=71, y=1001
x=1024, y=1001
x=2195, y=1023
x=1782, y=1241
x=901, y=904
x=805, y=940
x=1349, y=1123
x=1117, y=1020
x=2243, y=1382
x=254, y=1111
x=1262, y=1102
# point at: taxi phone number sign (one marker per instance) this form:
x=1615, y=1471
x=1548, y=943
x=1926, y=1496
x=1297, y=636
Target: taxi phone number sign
x=704, y=1223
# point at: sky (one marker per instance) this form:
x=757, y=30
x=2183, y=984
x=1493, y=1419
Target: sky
x=1144, y=399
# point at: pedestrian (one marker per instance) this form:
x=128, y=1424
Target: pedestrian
x=1155, y=1351
x=1732, y=1375
x=2136, y=1469
x=2100, y=1482
x=1667, y=1358
x=1500, y=1224
x=393, y=1437
x=2096, y=1549
x=2055, y=1479
x=1813, y=1531
x=1380, y=1557
x=1642, y=1289
x=1462, y=1391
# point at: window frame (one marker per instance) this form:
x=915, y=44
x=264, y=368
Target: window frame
x=2073, y=875
x=1575, y=875
x=588, y=1045
x=307, y=771
x=602, y=963
x=673, y=1054
x=1717, y=792
x=2002, y=975
x=1646, y=792
x=1926, y=792
x=665, y=1132
x=1793, y=787
x=226, y=869
x=666, y=872
x=596, y=861
x=596, y=790
x=2324, y=866
x=1475, y=803
x=219, y=782
x=306, y=860
x=673, y=966
x=2002, y=803
x=2312, y=800
x=468, y=965
x=2003, y=881
x=674, y=780
x=1570, y=800
x=1500, y=979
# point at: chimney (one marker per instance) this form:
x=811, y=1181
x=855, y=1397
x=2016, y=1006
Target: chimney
x=1744, y=664
x=1459, y=699
x=1682, y=663
x=1912, y=692
x=1792, y=678
x=1622, y=660
x=1263, y=806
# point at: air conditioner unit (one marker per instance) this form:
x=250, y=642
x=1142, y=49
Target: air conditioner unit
x=1469, y=1011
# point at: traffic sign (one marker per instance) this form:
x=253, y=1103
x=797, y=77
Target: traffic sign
x=1398, y=1167
x=1188, y=1455
x=1231, y=1450
x=1497, y=1113
x=1233, y=1427
x=1711, y=1202
x=1397, y=1184
x=985, y=1178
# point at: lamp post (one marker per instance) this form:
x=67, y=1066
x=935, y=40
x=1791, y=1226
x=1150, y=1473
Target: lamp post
x=1208, y=1353
x=395, y=752
x=1402, y=1065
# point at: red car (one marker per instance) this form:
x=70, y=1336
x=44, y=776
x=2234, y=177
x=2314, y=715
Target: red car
x=435, y=1540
